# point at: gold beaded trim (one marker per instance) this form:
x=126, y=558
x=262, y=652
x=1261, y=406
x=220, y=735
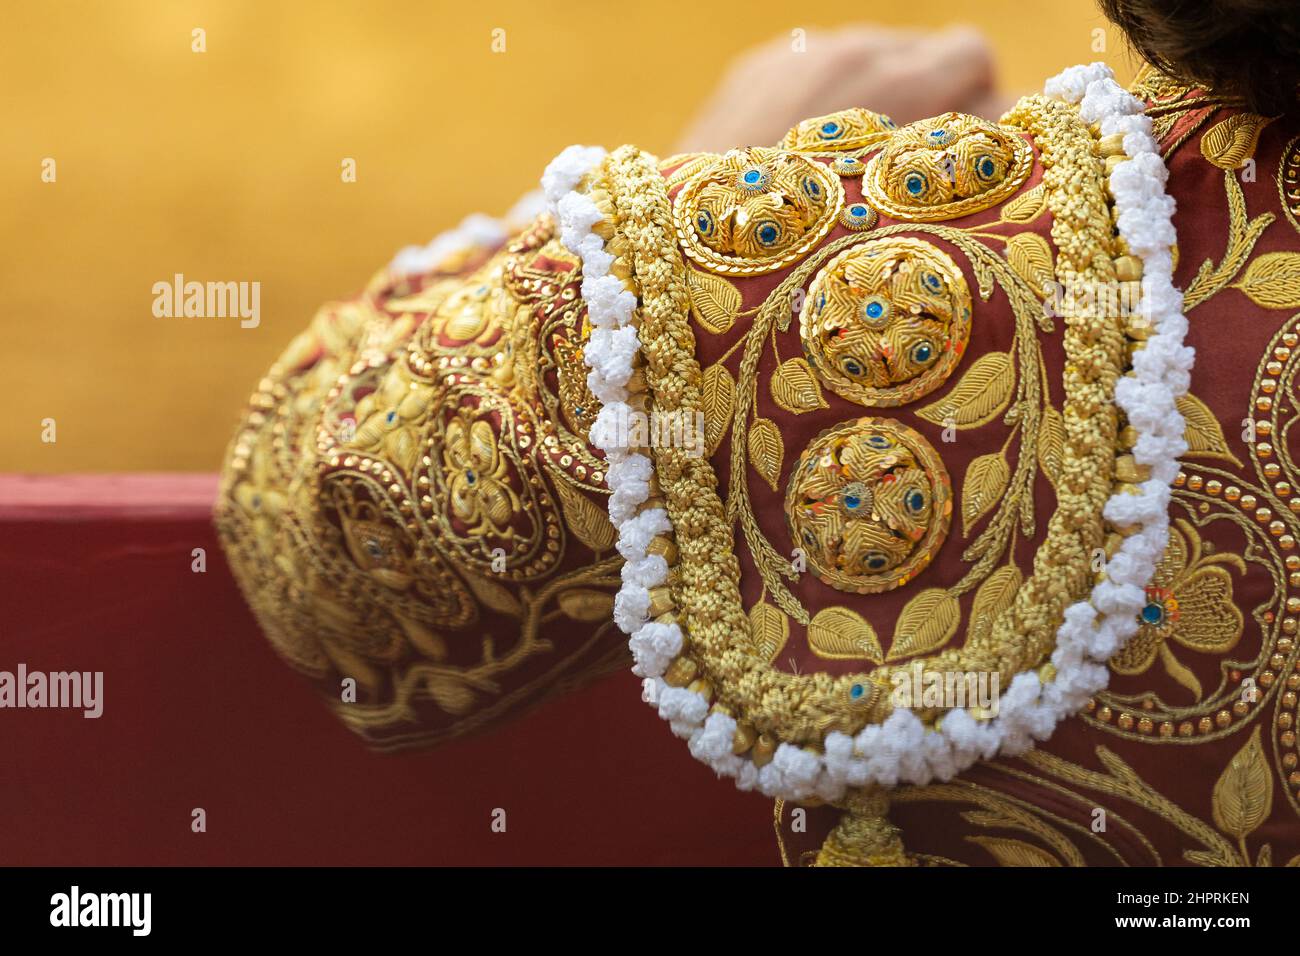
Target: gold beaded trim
x=703, y=598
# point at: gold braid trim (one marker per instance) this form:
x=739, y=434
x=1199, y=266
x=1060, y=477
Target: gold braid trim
x=1094, y=343
x=770, y=705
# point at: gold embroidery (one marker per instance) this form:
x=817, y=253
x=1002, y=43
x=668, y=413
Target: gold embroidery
x=1288, y=181
x=838, y=633
x=715, y=302
x=1189, y=602
x=1272, y=280
x=981, y=395
x=1243, y=233
x=756, y=210
x=985, y=483
x=1202, y=431
x=870, y=502
x=795, y=389
x=850, y=129
x=1230, y=142
x=886, y=322
x=928, y=622
x=390, y=450
x=947, y=166
x=769, y=630
x=798, y=709
x=766, y=450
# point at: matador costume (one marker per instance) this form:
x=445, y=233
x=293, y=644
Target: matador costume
x=883, y=450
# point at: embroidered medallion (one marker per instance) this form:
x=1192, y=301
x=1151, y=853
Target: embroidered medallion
x=842, y=130
x=870, y=503
x=756, y=210
x=886, y=322
x=947, y=166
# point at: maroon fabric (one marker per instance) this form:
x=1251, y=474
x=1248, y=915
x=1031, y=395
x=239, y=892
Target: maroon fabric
x=198, y=712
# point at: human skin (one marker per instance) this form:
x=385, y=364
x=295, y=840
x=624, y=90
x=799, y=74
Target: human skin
x=906, y=74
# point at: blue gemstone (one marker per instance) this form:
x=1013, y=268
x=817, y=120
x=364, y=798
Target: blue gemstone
x=875, y=310
x=859, y=212
x=922, y=353
x=830, y=129
x=1153, y=613
x=390, y=417
x=852, y=501
x=916, y=501
x=753, y=176
x=856, y=691
x=986, y=167
x=767, y=234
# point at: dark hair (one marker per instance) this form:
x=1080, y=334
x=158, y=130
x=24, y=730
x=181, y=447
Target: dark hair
x=1245, y=48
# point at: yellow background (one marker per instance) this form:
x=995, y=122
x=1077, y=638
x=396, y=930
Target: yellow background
x=225, y=166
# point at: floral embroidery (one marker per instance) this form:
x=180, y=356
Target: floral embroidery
x=1189, y=604
x=476, y=471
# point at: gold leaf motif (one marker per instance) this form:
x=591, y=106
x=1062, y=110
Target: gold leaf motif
x=1231, y=142
x=584, y=604
x=718, y=402
x=1202, y=431
x=1014, y=852
x=1243, y=796
x=986, y=480
x=769, y=630
x=981, y=395
x=714, y=300
x=994, y=596
x=493, y=596
x=588, y=521
x=766, y=450
x=1273, y=280
x=1031, y=257
x=1026, y=207
x=450, y=694
x=795, y=389
x=927, y=622
x=1051, y=444
x=837, y=633
x=690, y=168
x=404, y=449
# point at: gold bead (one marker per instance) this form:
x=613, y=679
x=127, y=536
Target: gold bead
x=680, y=672
x=763, y=751
x=743, y=738
x=1128, y=268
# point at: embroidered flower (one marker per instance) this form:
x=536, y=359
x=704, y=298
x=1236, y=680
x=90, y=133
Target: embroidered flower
x=476, y=472
x=386, y=420
x=1189, y=604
